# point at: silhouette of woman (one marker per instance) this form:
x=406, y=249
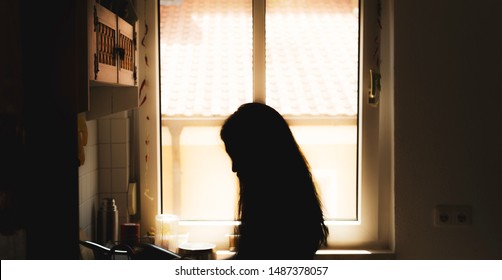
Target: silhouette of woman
x=279, y=208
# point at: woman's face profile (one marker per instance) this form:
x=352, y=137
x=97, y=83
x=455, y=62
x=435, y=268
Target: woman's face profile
x=241, y=161
x=232, y=153
x=234, y=163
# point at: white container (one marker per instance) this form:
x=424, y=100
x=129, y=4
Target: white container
x=166, y=231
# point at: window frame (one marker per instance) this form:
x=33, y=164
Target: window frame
x=374, y=227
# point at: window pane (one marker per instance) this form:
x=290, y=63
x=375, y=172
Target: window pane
x=312, y=56
x=331, y=152
x=206, y=57
x=206, y=70
x=312, y=70
x=209, y=187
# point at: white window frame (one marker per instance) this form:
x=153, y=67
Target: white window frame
x=373, y=229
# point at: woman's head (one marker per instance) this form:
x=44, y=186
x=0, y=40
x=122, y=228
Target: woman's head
x=258, y=138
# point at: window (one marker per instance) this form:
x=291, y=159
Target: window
x=310, y=64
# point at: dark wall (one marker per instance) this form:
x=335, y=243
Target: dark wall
x=40, y=119
x=448, y=126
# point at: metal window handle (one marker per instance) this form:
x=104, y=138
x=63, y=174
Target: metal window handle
x=374, y=90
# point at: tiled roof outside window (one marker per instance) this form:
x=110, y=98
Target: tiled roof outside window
x=206, y=57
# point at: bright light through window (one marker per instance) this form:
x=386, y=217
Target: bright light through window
x=311, y=57
x=206, y=57
x=207, y=72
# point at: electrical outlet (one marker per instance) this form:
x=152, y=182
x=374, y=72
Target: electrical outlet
x=442, y=215
x=462, y=215
x=452, y=215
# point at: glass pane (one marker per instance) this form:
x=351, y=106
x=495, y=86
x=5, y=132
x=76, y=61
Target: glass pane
x=206, y=56
x=312, y=56
x=206, y=70
x=330, y=151
x=312, y=71
x=207, y=186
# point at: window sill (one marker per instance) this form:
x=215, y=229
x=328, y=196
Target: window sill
x=330, y=254
x=334, y=255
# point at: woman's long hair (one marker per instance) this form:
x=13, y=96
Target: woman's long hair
x=277, y=190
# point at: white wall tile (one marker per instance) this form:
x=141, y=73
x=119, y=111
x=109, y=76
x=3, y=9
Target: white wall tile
x=87, y=189
x=107, y=175
x=120, y=179
x=83, y=168
x=91, y=156
x=119, y=130
x=105, y=180
x=85, y=214
x=90, y=163
x=81, y=213
x=119, y=155
x=92, y=138
x=80, y=190
x=104, y=131
x=104, y=156
x=88, y=211
x=88, y=181
x=94, y=183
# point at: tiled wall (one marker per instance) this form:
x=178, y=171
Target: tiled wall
x=88, y=183
x=113, y=160
x=105, y=172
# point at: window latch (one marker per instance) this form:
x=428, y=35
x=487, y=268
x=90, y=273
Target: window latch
x=374, y=90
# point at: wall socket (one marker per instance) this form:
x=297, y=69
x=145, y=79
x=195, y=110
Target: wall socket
x=452, y=215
